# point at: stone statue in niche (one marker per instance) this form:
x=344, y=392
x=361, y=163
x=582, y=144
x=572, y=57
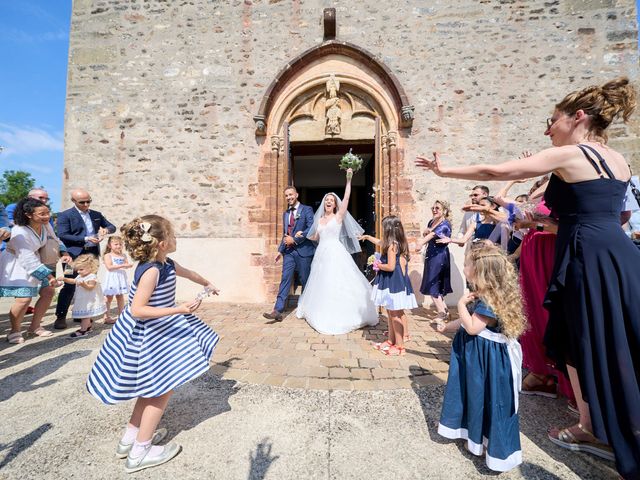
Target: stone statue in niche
x=332, y=107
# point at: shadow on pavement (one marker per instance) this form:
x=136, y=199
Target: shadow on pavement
x=21, y=444
x=26, y=380
x=261, y=460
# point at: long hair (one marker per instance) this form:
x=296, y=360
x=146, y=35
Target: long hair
x=496, y=283
x=393, y=232
x=603, y=103
x=145, y=250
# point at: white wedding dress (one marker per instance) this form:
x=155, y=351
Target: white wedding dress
x=337, y=296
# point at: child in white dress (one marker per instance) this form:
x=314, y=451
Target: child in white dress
x=115, y=281
x=89, y=301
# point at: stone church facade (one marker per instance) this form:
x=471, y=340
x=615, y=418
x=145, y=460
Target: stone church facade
x=203, y=111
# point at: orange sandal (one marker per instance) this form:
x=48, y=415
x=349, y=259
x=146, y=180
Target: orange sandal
x=394, y=351
x=382, y=346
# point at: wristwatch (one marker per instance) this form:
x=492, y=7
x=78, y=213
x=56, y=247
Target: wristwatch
x=540, y=227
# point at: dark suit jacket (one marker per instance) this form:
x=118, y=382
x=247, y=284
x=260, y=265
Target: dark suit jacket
x=306, y=248
x=72, y=230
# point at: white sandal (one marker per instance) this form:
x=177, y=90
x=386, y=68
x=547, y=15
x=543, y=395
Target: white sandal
x=39, y=332
x=15, y=338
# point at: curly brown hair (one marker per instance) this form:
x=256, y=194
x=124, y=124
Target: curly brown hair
x=496, y=283
x=145, y=250
x=603, y=103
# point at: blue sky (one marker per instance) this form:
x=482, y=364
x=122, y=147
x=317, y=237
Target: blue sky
x=34, y=45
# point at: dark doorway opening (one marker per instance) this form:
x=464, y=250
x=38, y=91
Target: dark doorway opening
x=315, y=172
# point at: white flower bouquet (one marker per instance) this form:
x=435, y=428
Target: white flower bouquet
x=351, y=161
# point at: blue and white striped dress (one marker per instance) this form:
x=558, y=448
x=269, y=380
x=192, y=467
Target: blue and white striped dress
x=152, y=357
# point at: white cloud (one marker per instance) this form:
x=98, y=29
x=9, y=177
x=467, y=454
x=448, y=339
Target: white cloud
x=28, y=140
x=21, y=36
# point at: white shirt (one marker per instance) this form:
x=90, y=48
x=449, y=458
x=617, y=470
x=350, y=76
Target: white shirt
x=87, y=222
x=630, y=203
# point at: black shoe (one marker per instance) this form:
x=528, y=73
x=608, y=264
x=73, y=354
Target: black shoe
x=275, y=315
x=60, y=324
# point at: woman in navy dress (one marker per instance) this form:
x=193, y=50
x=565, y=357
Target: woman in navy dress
x=593, y=299
x=481, y=398
x=436, y=277
x=154, y=347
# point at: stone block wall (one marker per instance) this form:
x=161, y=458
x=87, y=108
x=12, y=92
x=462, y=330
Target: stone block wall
x=161, y=94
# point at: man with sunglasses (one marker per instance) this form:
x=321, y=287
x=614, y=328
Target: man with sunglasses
x=81, y=230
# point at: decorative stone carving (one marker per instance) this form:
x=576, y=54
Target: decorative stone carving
x=407, y=113
x=261, y=125
x=332, y=107
x=392, y=139
x=275, y=143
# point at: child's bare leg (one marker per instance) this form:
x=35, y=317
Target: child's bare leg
x=391, y=336
x=398, y=328
x=147, y=414
x=109, y=298
x=405, y=325
x=120, y=302
x=85, y=324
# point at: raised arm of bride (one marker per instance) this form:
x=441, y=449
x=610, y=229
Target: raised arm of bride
x=347, y=193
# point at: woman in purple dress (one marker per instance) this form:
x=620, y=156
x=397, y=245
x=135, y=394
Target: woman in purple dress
x=436, y=278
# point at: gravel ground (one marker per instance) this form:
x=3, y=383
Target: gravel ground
x=52, y=428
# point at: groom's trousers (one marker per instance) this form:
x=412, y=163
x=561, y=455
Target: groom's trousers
x=292, y=262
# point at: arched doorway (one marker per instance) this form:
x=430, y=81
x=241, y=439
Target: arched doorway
x=333, y=98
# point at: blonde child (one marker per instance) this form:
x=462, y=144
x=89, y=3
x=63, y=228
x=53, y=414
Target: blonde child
x=115, y=281
x=481, y=398
x=88, y=301
x=157, y=343
x=392, y=286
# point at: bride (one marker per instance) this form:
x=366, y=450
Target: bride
x=337, y=296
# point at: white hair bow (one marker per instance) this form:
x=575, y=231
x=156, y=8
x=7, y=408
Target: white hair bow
x=146, y=236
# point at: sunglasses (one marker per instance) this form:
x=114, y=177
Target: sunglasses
x=550, y=122
x=83, y=202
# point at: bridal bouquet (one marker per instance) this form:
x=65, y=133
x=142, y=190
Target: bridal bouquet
x=373, y=266
x=351, y=161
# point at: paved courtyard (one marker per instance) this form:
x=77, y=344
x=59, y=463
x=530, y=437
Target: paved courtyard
x=280, y=402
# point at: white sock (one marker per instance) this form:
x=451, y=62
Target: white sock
x=130, y=434
x=139, y=448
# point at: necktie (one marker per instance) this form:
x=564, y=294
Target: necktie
x=292, y=220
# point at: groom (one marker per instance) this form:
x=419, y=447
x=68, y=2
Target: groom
x=297, y=251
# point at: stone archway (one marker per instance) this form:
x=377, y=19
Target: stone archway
x=335, y=92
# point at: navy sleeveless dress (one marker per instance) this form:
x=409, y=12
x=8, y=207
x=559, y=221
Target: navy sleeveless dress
x=436, y=276
x=594, y=306
x=152, y=357
x=393, y=290
x=480, y=402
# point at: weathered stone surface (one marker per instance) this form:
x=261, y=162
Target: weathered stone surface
x=161, y=96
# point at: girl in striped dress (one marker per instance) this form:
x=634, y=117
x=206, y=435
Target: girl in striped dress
x=392, y=287
x=154, y=347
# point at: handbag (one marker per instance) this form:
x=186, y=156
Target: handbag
x=50, y=252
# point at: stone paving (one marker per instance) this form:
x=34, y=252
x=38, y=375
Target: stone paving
x=291, y=354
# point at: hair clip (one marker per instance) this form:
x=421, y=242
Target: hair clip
x=146, y=236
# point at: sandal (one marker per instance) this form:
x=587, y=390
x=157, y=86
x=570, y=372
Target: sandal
x=394, y=351
x=545, y=386
x=80, y=333
x=565, y=438
x=572, y=406
x=109, y=321
x=382, y=345
x=39, y=332
x=15, y=337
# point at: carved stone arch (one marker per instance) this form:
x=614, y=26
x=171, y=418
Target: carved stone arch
x=334, y=93
x=404, y=110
